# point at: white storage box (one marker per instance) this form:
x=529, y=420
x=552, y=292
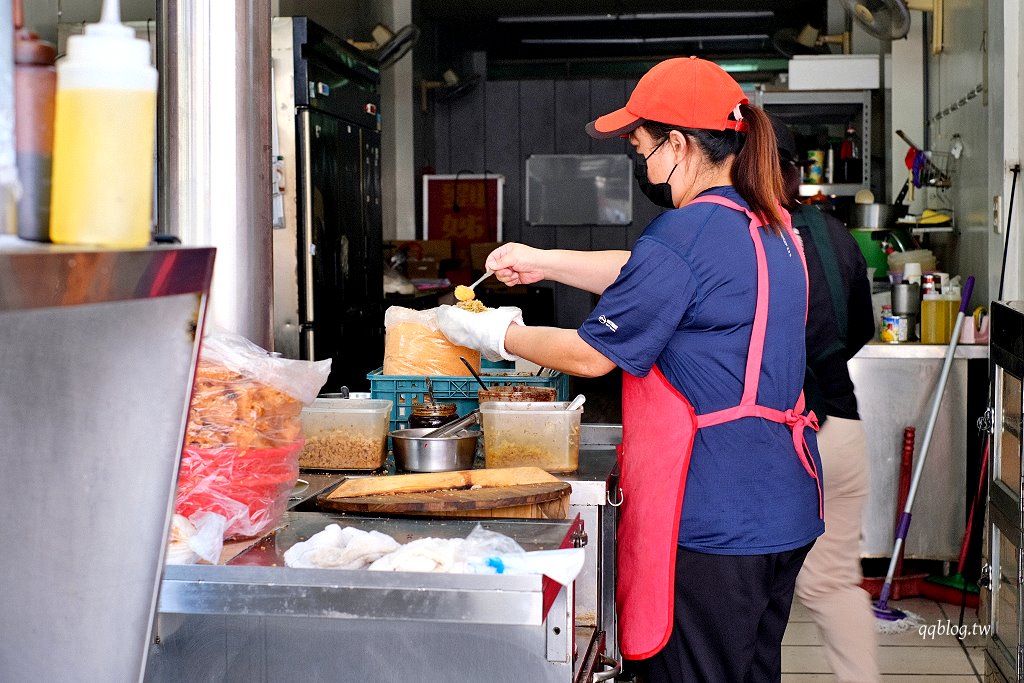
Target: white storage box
x=833, y=72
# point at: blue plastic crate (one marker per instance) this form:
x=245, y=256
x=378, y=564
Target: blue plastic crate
x=405, y=390
x=488, y=365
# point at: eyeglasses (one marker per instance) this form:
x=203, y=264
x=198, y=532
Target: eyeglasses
x=648, y=156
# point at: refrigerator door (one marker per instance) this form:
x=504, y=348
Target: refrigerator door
x=339, y=241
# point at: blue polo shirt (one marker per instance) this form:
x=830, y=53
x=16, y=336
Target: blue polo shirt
x=685, y=300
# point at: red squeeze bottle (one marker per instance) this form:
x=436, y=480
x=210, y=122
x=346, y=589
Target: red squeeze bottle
x=35, y=86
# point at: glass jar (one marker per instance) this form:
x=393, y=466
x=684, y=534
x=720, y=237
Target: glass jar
x=430, y=414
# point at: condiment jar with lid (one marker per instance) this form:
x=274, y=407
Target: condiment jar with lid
x=430, y=414
x=35, y=85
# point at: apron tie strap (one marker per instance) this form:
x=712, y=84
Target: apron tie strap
x=792, y=418
x=798, y=422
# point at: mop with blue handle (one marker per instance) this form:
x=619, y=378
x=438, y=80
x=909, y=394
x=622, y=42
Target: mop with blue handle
x=892, y=620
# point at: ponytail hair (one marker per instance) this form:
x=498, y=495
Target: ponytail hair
x=755, y=172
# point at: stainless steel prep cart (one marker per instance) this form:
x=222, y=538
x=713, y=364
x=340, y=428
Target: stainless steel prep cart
x=257, y=620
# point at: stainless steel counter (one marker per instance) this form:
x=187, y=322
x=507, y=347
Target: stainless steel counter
x=915, y=350
x=97, y=352
x=595, y=586
x=895, y=385
x=257, y=582
x=256, y=620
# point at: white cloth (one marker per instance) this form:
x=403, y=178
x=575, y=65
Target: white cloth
x=422, y=555
x=484, y=331
x=338, y=548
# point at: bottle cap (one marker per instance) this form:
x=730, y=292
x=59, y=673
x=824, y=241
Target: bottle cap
x=28, y=49
x=109, y=41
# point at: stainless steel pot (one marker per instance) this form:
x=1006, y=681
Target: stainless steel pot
x=872, y=216
x=878, y=216
x=413, y=453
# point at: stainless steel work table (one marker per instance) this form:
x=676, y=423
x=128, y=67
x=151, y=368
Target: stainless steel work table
x=257, y=620
x=895, y=385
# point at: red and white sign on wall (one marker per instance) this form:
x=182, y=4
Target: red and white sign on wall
x=464, y=208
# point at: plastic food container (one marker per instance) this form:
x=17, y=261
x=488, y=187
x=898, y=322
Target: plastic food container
x=525, y=434
x=345, y=434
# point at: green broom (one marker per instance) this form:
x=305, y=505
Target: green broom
x=955, y=589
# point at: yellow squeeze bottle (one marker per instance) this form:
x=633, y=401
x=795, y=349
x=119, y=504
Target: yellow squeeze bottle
x=102, y=192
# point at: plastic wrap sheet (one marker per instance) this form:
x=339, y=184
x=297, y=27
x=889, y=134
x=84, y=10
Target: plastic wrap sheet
x=244, y=434
x=415, y=346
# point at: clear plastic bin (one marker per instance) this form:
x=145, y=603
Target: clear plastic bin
x=531, y=434
x=345, y=434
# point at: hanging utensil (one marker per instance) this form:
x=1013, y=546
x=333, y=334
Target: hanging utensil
x=475, y=376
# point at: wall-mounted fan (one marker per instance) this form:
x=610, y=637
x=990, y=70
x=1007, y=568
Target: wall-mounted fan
x=450, y=87
x=890, y=19
x=387, y=46
x=809, y=40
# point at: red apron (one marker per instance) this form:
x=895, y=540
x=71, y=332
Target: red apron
x=658, y=428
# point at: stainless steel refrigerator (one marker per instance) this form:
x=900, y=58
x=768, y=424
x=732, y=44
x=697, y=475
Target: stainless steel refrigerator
x=328, y=268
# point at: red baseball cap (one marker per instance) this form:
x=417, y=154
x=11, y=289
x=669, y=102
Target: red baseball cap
x=684, y=91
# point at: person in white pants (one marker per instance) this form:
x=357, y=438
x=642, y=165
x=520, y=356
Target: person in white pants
x=840, y=321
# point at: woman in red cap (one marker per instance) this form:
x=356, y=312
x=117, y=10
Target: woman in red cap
x=721, y=498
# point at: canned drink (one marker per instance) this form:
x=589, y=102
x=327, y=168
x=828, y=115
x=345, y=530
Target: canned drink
x=894, y=329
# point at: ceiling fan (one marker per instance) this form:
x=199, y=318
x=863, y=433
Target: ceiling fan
x=890, y=19
x=387, y=46
x=450, y=87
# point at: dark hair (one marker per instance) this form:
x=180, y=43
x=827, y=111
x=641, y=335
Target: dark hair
x=790, y=184
x=755, y=173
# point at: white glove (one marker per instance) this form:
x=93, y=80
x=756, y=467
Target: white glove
x=483, y=331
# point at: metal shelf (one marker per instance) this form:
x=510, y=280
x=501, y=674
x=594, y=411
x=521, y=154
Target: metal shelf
x=818, y=109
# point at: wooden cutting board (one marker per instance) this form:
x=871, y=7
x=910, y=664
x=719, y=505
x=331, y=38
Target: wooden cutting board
x=513, y=492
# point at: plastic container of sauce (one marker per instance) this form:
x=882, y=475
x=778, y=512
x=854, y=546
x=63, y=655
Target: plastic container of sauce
x=35, y=85
x=105, y=126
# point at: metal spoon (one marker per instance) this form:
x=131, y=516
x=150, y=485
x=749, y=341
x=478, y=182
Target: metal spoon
x=430, y=389
x=476, y=376
x=483, y=277
x=464, y=293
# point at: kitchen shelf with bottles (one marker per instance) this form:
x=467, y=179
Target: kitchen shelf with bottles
x=817, y=117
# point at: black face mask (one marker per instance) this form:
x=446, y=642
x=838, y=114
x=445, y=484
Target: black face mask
x=659, y=193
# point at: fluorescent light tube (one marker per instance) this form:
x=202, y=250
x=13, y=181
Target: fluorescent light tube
x=645, y=41
x=641, y=16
